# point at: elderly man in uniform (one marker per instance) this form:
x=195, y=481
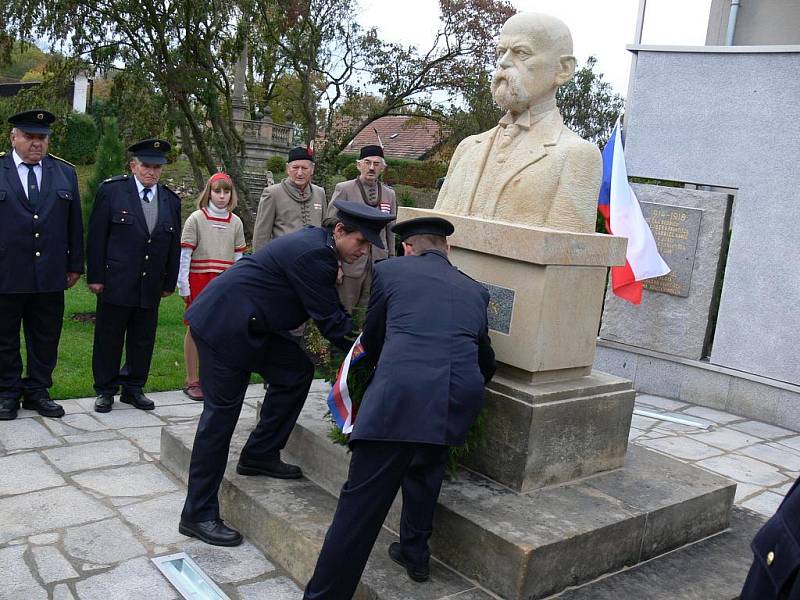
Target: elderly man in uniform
x=41, y=254
x=427, y=330
x=291, y=204
x=241, y=323
x=354, y=280
x=133, y=252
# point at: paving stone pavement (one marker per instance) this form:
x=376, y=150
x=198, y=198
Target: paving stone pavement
x=764, y=460
x=85, y=503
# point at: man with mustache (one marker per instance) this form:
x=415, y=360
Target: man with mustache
x=530, y=169
x=354, y=279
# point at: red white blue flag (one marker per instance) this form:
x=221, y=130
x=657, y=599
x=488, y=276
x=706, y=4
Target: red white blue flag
x=343, y=409
x=623, y=216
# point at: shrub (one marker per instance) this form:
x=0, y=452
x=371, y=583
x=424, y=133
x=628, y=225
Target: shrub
x=350, y=171
x=78, y=139
x=276, y=164
x=110, y=161
x=421, y=174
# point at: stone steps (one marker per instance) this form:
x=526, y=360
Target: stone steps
x=288, y=521
x=517, y=545
x=538, y=543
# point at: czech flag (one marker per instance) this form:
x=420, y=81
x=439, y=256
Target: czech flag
x=342, y=406
x=623, y=216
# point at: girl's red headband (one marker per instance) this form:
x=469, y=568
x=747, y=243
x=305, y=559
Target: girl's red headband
x=220, y=176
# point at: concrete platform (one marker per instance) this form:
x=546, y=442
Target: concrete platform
x=516, y=545
x=288, y=520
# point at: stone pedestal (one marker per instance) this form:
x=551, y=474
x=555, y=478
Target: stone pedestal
x=547, y=433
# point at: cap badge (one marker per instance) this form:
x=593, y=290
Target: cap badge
x=156, y=144
x=40, y=116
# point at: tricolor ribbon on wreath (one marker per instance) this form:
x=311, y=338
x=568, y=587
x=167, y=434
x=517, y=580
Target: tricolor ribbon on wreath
x=344, y=408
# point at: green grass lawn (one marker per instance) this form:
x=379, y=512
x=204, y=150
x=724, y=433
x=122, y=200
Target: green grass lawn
x=73, y=374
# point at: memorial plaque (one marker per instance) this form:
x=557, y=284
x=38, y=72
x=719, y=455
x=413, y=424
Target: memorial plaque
x=676, y=230
x=501, y=305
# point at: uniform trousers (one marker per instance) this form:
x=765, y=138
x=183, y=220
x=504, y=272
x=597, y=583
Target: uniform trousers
x=41, y=316
x=378, y=470
x=115, y=326
x=289, y=372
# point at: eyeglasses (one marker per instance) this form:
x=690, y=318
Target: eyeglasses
x=372, y=163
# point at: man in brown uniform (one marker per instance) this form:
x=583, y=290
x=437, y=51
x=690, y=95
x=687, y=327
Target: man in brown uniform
x=291, y=204
x=366, y=188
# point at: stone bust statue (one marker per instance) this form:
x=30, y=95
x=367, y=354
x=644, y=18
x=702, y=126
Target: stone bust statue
x=530, y=169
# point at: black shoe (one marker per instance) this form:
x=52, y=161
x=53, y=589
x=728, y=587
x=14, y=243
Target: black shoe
x=213, y=532
x=418, y=574
x=137, y=399
x=44, y=406
x=103, y=403
x=271, y=468
x=8, y=409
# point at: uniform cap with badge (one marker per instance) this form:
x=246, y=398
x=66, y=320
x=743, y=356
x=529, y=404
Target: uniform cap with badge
x=423, y=226
x=35, y=121
x=151, y=151
x=367, y=219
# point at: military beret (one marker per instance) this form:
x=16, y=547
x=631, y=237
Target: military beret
x=423, y=226
x=300, y=153
x=368, y=220
x=152, y=151
x=370, y=151
x=33, y=121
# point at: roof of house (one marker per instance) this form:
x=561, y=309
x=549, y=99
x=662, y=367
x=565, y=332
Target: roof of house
x=403, y=136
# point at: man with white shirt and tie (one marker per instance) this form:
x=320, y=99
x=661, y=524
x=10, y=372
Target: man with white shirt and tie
x=133, y=252
x=41, y=254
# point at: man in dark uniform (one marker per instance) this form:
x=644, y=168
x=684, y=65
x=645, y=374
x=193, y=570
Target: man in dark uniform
x=241, y=323
x=41, y=254
x=427, y=328
x=133, y=252
x=775, y=573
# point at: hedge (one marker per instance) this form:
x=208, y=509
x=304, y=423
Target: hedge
x=415, y=173
x=78, y=140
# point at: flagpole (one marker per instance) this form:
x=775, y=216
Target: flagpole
x=637, y=41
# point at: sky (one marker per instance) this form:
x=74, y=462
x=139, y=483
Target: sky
x=599, y=27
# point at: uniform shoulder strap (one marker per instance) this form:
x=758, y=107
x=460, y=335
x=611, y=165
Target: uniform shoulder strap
x=58, y=158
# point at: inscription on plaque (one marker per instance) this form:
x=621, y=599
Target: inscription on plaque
x=676, y=230
x=501, y=305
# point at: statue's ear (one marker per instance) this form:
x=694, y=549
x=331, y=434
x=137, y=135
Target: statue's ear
x=567, y=70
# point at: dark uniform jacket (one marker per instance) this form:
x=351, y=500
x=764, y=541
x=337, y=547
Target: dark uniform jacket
x=134, y=265
x=427, y=323
x=272, y=291
x=776, y=554
x=39, y=247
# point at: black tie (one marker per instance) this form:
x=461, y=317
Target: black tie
x=33, y=186
x=146, y=195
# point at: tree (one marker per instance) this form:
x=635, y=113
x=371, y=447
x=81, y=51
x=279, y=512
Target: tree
x=589, y=105
x=110, y=162
x=185, y=50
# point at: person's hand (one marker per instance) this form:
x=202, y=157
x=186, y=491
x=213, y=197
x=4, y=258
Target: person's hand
x=72, y=279
x=165, y=293
x=186, y=299
x=96, y=288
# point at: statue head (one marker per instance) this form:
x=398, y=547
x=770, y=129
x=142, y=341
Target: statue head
x=534, y=58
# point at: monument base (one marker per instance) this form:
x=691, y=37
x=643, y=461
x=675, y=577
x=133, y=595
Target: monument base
x=517, y=545
x=539, y=434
